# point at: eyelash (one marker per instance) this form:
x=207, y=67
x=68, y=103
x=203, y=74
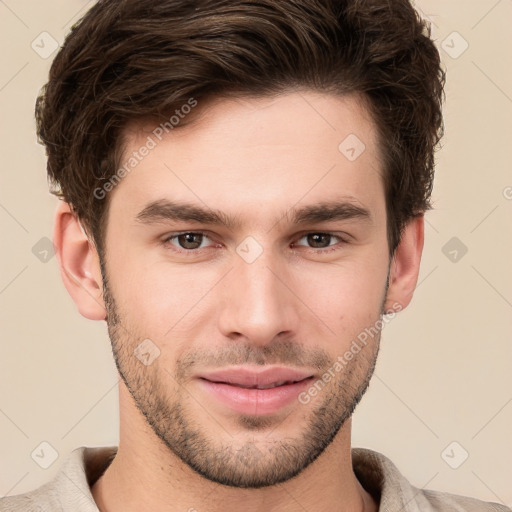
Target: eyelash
x=192, y=252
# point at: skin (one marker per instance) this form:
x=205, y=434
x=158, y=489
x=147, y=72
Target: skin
x=294, y=305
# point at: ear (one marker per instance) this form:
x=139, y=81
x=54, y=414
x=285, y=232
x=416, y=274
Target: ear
x=79, y=264
x=405, y=265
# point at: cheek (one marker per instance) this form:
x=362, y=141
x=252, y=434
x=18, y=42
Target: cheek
x=346, y=296
x=168, y=302
x=162, y=299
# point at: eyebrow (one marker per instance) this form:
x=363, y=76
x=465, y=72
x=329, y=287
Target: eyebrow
x=163, y=210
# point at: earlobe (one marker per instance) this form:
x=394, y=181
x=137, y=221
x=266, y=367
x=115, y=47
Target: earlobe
x=79, y=264
x=405, y=266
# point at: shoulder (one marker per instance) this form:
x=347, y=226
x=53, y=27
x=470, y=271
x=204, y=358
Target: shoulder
x=38, y=500
x=442, y=501
x=69, y=489
x=382, y=479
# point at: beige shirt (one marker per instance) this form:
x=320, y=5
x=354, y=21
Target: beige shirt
x=69, y=490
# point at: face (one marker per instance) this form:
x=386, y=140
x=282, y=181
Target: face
x=245, y=254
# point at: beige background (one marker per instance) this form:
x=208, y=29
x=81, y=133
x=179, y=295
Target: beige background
x=444, y=373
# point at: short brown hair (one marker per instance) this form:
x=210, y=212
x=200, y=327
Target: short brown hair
x=133, y=59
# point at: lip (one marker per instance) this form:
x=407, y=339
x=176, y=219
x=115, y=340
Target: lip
x=247, y=391
x=247, y=377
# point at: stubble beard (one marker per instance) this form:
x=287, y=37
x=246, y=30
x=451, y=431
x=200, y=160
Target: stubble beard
x=258, y=458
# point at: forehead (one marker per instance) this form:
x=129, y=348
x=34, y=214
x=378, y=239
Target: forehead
x=238, y=154
x=276, y=118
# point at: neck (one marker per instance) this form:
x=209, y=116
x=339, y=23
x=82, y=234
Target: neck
x=146, y=475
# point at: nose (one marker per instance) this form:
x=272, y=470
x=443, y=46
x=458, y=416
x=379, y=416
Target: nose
x=258, y=302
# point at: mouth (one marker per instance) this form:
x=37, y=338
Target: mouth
x=262, y=386
x=257, y=378
x=255, y=392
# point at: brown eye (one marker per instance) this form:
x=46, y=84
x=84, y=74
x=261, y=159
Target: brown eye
x=319, y=240
x=188, y=241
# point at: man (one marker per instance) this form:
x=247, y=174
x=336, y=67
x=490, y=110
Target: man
x=242, y=194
